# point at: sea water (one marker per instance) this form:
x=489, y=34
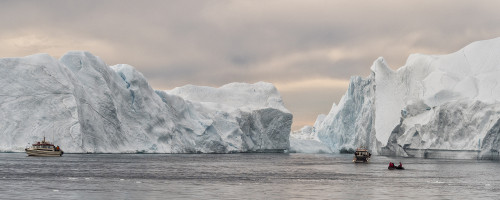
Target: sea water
x=242, y=176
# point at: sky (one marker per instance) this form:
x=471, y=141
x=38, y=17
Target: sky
x=308, y=49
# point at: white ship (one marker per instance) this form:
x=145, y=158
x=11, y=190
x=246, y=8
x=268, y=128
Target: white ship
x=44, y=148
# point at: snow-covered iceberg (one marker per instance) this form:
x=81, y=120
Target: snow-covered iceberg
x=448, y=102
x=86, y=106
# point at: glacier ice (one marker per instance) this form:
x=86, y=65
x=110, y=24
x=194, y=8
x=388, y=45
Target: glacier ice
x=448, y=102
x=306, y=140
x=86, y=106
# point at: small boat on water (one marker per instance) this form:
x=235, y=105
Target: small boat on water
x=44, y=148
x=393, y=167
x=397, y=167
x=361, y=155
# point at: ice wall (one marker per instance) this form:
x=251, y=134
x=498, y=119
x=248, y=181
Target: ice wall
x=250, y=117
x=350, y=124
x=87, y=106
x=306, y=140
x=432, y=102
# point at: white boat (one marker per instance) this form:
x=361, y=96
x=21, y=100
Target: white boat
x=44, y=148
x=361, y=155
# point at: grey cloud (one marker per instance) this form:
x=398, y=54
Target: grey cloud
x=321, y=99
x=216, y=42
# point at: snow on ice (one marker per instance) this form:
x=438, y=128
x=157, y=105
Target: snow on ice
x=87, y=106
x=449, y=102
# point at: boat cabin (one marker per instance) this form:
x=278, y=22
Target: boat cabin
x=361, y=155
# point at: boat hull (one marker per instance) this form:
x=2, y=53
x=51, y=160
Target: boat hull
x=47, y=153
x=361, y=156
x=361, y=159
x=398, y=168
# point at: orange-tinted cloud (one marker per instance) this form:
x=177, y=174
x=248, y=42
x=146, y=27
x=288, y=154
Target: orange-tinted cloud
x=307, y=48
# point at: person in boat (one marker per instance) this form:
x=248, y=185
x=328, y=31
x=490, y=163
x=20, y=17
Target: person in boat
x=391, y=164
x=400, y=165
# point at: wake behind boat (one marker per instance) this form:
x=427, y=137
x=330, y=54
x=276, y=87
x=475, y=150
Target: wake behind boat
x=44, y=148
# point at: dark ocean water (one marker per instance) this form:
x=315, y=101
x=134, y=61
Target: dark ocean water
x=242, y=176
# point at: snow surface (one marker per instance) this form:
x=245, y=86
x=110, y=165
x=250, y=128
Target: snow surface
x=306, y=140
x=87, y=106
x=238, y=95
x=432, y=102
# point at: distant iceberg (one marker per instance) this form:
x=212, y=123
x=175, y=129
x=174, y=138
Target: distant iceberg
x=306, y=141
x=447, y=102
x=87, y=106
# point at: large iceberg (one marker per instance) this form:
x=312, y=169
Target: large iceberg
x=86, y=106
x=447, y=102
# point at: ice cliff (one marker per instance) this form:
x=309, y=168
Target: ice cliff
x=87, y=106
x=449, y=102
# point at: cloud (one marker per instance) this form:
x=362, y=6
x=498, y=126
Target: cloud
x=31, y=42
x=295, y=44
x=312, y=84
x=318, y=99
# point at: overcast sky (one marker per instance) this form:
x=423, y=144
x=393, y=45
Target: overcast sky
x=309, y=49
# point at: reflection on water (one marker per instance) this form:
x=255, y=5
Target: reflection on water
x=242, y=176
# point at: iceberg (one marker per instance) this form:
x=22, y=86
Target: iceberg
x=87, y=106
x=440, y=102
x=306, y=140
